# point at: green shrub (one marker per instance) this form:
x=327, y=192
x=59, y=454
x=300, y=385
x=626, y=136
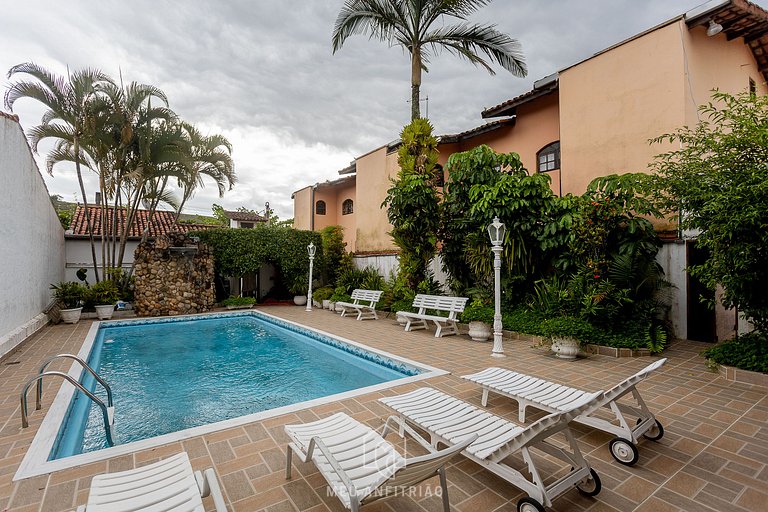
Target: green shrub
x=567, y=327
x=322, y=294
x=478, y=311
x=334, y=249
x=524, y=321
x=237, y=252
x=238, y=301
x=402, y=305
x=340, y=295
x=125, y=283
x=748, y=352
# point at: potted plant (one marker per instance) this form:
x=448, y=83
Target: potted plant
x=479, y=316
x=299, y=290
x=69, y=295
x=323, y=296
x=238, y=302
x=566, y=334
x=103, y=295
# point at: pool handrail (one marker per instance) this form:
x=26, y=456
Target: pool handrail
x=104, y=409
x=39, y=395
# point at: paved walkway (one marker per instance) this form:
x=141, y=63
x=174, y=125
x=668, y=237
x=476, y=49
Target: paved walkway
x=713, y=456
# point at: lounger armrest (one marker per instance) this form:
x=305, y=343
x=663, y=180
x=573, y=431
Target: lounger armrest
x=211, y=487
x=317, y=442
x=402, y=424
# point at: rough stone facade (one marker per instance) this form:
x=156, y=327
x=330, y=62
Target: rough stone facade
x=174, y=276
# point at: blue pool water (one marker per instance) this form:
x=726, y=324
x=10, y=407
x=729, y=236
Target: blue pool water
x=170, y=376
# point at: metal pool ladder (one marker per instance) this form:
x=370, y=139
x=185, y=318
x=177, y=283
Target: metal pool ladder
x=107, y=411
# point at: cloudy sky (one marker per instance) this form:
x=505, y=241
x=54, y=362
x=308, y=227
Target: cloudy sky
x=261, y=72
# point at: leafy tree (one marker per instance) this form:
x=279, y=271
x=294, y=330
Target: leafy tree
x=334, y=249
x=717, y=182
x=484, y=184
x=420, y=28
x=412, y=203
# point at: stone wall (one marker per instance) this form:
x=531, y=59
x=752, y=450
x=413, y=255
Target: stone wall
x=174, y=276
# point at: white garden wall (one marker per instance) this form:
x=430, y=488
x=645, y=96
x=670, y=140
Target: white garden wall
x=31, y=240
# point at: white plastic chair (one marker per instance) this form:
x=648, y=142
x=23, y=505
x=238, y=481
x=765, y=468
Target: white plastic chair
x=448, y=420
x=169, y=485
x=551, y=397
x=360, y=466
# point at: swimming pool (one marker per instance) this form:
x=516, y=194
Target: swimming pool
x=174, y=378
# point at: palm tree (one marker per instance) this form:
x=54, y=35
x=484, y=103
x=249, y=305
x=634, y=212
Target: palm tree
x=211, y=156
x=68, y=118
x=408, y=24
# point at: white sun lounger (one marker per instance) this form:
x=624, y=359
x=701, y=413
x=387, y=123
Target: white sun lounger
x=449, y=420
x=168, y=485
x=360, y=465
x=551, y=397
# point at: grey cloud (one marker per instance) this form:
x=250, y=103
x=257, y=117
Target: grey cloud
x=248, y=66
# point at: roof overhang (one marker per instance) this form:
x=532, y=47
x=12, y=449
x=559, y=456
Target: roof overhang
x=543, y=87
x=739, y=18
x=475, y=132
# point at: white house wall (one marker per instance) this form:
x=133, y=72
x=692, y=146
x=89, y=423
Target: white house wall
x=31, y=240
x=78, y=252
x=672, y=257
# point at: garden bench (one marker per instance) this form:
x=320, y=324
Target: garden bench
x=445, y=324
x=368, y=310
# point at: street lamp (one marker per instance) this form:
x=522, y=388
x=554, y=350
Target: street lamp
x=311, y=250
x=496, y=232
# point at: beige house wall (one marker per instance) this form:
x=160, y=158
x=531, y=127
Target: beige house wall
x=715, y=62
x=613, y=103
x=302, y=209
x=373, y=172
x=332, y=207
x=348, y=222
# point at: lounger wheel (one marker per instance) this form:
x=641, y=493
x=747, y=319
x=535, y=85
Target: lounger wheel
x=654, y=433
x=623, y=451
x=529, y=505
x=590, y=486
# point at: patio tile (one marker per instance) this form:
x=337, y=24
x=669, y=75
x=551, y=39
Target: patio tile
x=714, y=455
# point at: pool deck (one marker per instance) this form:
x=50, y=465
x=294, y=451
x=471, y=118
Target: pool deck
x=713, y=456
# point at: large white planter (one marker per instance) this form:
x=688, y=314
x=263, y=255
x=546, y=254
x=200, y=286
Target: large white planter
x=479, y=331
x=71, y=316
x=401, y=319
x=300, y=300
x=565, y=348
x=326, y=304
x=104, y=311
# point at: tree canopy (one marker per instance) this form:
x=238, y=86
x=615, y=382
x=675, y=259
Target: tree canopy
x=716, y=185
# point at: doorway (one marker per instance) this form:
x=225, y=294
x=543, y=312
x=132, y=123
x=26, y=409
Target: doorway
x=702, y=325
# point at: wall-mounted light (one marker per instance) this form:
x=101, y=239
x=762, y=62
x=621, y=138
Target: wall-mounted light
x=714, y=28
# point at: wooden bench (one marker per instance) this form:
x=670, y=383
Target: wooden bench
x=445, y=324
x=359, y=297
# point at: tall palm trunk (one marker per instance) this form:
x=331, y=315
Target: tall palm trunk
x=85, y=206
x=415, y=83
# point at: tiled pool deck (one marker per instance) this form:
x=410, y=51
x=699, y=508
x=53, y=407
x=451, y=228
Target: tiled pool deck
x=713, y=457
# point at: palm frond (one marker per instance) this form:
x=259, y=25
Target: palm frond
x=468, y=40
x=384, y=19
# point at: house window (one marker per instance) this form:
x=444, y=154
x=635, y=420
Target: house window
x=548, y=158
x=346, y=207
x=246, y=225
x=320, y=208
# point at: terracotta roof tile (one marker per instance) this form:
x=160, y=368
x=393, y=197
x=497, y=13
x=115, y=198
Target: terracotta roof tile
x=246, y=216
x=12, y=117
x=162, y=223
